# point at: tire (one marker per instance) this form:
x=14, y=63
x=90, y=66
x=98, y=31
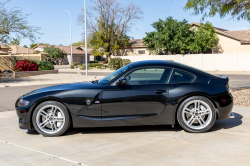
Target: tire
x=51, y=119
x=196, y=114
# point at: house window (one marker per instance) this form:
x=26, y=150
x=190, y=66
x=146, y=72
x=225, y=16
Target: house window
x=141, y=52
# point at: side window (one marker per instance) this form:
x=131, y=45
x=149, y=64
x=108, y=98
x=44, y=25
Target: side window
x=148, y=76
x=179, y=76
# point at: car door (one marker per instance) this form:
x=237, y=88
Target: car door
x=144, y=95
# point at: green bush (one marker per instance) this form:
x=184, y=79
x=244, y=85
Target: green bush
x=83, y=67
x=96, y=61
x=72, y=66
x=94, y=64
x=44, y=65
x=117, y=63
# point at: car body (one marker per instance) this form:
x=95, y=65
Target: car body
x=141, y=93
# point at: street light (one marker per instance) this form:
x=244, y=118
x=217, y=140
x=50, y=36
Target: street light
x=86, y=48
x=70, y=35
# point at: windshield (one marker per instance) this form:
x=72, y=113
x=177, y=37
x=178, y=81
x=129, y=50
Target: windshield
x=113, y=75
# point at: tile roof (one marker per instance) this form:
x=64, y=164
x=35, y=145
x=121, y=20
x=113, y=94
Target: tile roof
x=15, y=49
x=4, y=46
x=78, y=50
x=136, y=43
x=244, y=34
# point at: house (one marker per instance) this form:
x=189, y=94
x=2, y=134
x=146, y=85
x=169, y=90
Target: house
x=136, y=47
x=78, y=53
x=231, y=41
x=6, y=49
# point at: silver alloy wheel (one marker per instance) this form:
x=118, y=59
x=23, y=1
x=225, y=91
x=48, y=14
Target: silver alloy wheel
x=50, y=119
x=197, y=114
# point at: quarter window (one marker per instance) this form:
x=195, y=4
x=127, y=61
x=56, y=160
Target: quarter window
x=179, y=77
x=148, y=76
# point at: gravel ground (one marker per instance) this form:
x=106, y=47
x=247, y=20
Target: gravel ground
x=241, y=96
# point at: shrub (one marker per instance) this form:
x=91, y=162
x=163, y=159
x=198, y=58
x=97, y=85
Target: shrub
x=117, y=63
x=96, y=61
x=94, y=64
x=72, y=66
x=76, y=63
x=44, y=65
x=84, y=67
x=80, y=64
x=101, y=66
x=26, y=65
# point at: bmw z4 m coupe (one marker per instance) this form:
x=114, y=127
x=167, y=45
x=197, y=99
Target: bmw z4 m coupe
x=142, y=93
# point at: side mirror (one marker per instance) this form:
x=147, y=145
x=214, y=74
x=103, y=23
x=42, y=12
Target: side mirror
x=122, y=82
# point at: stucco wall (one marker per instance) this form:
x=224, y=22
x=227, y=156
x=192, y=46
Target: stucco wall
x=131, y=52
x=229, y=45
x=207, y=62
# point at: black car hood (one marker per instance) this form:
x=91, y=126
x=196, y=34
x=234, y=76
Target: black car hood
x=73, y=86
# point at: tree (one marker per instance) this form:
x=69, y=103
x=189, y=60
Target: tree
x=209, y=8
x=36, y=52
x=54, y=54
x=78, y=43
x=15, y=42
x=25, y=46
x=205, y=38
x=170, y=36
x=14, y=23
x=34, y=44
x=108, y=23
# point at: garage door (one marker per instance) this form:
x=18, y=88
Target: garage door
x=78, y=58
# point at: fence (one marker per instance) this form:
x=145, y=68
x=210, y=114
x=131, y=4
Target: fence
x=206, y=62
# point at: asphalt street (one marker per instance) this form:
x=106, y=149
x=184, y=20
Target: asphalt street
x=9, y=95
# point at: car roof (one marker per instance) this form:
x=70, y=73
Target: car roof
x=154, y=63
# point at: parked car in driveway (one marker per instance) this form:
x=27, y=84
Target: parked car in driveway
x=142, y=93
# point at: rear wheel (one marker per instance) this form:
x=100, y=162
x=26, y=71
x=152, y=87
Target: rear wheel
x=196, y=114
x=51, y=118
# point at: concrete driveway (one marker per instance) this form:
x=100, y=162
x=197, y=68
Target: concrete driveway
x=228, y=143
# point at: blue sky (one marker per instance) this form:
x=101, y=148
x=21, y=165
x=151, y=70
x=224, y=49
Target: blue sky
x=55, y=24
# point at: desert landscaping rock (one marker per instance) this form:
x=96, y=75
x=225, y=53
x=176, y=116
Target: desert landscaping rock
x=241, y=97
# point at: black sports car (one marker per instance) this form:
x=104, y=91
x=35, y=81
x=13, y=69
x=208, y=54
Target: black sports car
x=141, y=93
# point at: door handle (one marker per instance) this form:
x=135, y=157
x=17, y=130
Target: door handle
x=160, y=91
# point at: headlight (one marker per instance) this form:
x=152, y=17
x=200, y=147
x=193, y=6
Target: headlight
x=22, y=103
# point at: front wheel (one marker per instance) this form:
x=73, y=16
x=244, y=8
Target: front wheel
x=196, y=114
x=51, y=118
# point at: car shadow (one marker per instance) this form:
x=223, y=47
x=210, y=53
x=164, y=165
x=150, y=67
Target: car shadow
x=219, y=124
x=127, y=129
x=32, y=132
x=227, y=123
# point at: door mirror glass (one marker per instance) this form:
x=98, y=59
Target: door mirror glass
x=122, y=82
